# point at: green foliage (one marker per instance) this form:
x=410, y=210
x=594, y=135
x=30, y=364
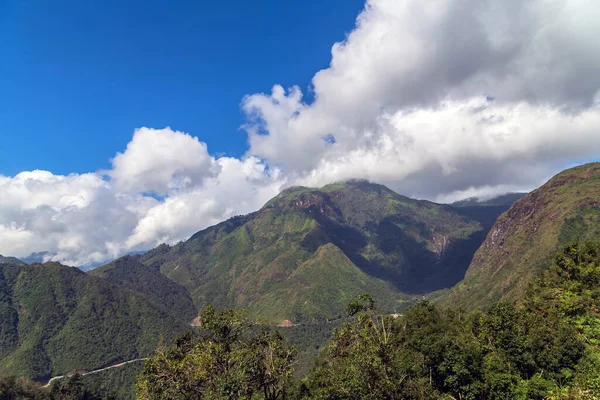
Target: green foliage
x=545, y=348
x=56, y=319
x=308, y=252
x=571, y=289
x=73, y=389
x=129, y=273
x=21, y=389
x=420, y=355
x=228, y=360
x=115, y=383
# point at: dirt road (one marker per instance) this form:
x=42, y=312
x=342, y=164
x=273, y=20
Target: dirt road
x=94, y=371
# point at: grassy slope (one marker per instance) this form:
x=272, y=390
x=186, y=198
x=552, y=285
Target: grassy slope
x=309, y=292
x=294, y=257
x=55, y=319
x=526, y=237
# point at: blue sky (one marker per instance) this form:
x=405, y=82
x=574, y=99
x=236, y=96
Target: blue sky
x=263, y=95
x=77, y=77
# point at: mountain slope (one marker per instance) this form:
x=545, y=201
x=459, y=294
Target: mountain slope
x=54, y=319
x=10, y=260
x=129, y=273
x=307, y=250
x=525, y=238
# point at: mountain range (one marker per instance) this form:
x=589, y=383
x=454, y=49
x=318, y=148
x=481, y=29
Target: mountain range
x=308, y=252
x=54, y=319
x=298, y=260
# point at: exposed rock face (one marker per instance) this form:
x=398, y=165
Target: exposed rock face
x=439, y=243
x=526, y=237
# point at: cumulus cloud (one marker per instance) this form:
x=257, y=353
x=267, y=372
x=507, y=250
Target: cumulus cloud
x=162, y=188
x=439, y=99
x=78, y=217
x=160, y=161
x=436, y=97
x=241, y=187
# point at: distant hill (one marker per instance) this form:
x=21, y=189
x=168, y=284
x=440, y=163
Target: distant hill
x=308, y=252
x=10, y=260
x=54, y=319
x=525, y=238
x=129, y=273
x=38, y=257
x=487, y=211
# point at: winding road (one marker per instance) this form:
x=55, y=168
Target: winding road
x=94, y=371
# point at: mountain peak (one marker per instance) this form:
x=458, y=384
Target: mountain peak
x=361, y=192
x=307, y=245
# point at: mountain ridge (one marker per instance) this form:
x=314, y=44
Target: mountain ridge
x=54, y=319
x=403, y=246
x=526, y=237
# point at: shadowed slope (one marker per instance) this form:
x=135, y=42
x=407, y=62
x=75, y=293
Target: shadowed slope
x=528, y=235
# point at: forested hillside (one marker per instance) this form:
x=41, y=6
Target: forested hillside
x=308, y=252
x=129, y=273
x=55, y=319
x=546, y=348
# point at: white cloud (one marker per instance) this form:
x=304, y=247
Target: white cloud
x=75, y=216
x=438, y=99
x=160, y=161
x=85, y=219
x=435, y=97
x=241, y=187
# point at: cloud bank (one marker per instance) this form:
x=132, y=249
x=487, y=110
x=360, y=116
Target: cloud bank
x=440, y=99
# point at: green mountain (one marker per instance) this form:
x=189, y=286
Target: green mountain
x=308, y=252
x=54, y=319
x=129, y=273
x=524, y=239
x=10, y=260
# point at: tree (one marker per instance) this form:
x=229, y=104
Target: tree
x=229, y=359
x=363, y=359
x=21, y=389
x=72, y=389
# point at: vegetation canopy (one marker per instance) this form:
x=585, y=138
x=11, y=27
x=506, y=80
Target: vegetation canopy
x=545, y=348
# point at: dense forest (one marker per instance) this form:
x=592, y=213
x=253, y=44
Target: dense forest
x=545, y=347
x=55, y=319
